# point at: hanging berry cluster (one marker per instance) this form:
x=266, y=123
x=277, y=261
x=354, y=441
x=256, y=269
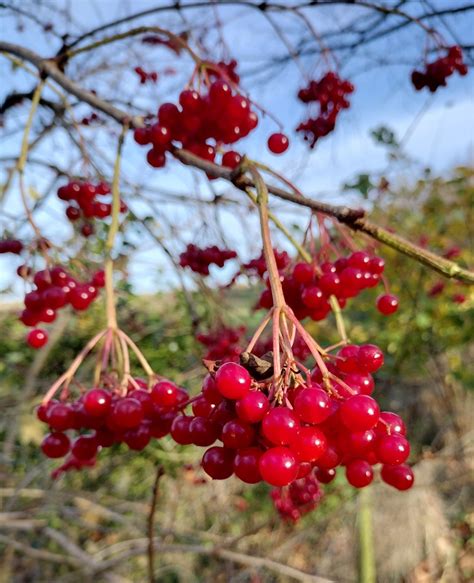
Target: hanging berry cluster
x=103, y=417
x=54, y=289
x=330, y=93
x=199, y=260
x=308, y=286
x=84, y=204
x=297, y=499
x=436, y=73
x=222, y=343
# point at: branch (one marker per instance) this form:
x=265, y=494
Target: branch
x=151, y=524
x=353, y=218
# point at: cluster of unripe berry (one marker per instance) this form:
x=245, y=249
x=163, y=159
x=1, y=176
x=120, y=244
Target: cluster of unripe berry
x=84, y=203
x=436, y=73
x=297, y=499
x=330, y=93
x=145, y=76
x=11, y=246
x=199, y=260
x=307, y=287
x=101, y=418
x=222, y=343
x=321, y=425
x=54, y=289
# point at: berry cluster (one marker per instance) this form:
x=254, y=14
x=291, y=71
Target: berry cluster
x=226, y=71
x=101, y=418
x=258, y=266
x=222, y=344
x=84, y=204
x=200, y=122
x=11, y=246
x=330, y=92
x=322, y=425
x=54, y=289
x=307, y=287
x=199, y=260
x=145, y=77
x=436, y=73
x=299, y=498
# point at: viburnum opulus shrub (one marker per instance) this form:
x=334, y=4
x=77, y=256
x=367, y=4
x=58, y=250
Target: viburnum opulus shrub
x=279, y=407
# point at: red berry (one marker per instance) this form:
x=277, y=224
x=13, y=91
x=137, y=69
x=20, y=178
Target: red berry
x=246, y=465
x=387, y=304
x=232, y=380
x=392, y=449
x=359, y=473
x=237, y=434
x=55, y=445
x=369, y=358
x=37, y=338
x=303, y=273
x=309, y=444
x=203, y=431
x=390, y=423
x=347, y=358
x=280, y=426
x=97, y=402
x=181, y=430
x=278, y=466
x=278, y=143
x=359, y=413
x=400, y=477
x=85, y=447
x=231, y=159
x=60, y=417
x=218, y=462
x=165, y=394
x=312, y=405
x=127, y=413
x=139, y=437
x=252, y=407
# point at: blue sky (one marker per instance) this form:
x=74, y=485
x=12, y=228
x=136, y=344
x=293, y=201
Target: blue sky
x=441, y=135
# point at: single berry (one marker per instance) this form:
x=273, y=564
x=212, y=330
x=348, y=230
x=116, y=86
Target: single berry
x=232, y=380
x=37, y=338
x=278, y=466
x=278, y=143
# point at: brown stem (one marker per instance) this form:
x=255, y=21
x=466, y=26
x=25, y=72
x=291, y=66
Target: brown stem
x=151, y=525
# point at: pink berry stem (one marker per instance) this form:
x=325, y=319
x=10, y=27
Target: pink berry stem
x=258, y=332
x=76, y=363
x=143, y=361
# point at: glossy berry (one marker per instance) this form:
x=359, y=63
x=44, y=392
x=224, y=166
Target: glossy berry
x=165, y=394
x=85, y=447
x=37, y=338
x=312, y=405
x=232, y=380
x=203, y=431
x=359, y=473
x=97, y=402
x=400, y=477
x=392, y=449
x=359, y=413
x=278, y=143
x=252, y=407
x=60, y=417
x=237, y=434
x=55, y=445
x=181, y=430
x=246, y=465
x=309, y=444
x=280, y=426
x=218, y=462
x=387, y=304
x=369, y=358
x=127, y=413
x=278, y=466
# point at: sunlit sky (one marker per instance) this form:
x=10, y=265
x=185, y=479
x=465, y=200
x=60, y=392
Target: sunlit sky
x=438, y=130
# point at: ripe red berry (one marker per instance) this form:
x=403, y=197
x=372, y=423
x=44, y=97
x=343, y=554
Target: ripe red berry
x=400, y=477
x=392, y=449
x=387, y=304
x=85, y=447
x=369, y=358
x=218, y=462
x=60, y=417
x=165, y=394
x=139, y=437
x=280, y=426
x=347, y=358
x=231, y=159
x=97, y=402
x=278, y=466
x=37, y=338
x=359, y=473
x=181, y=430
x=309, y=444
x=312, y=405
x=359, y=413
x=237, y=434
x=55, y=445
x=252, y=407
x=390, y=423
x=127, y=413
x=246, y=465
x=278, y=143
x=203, y=431
x=232, y=380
